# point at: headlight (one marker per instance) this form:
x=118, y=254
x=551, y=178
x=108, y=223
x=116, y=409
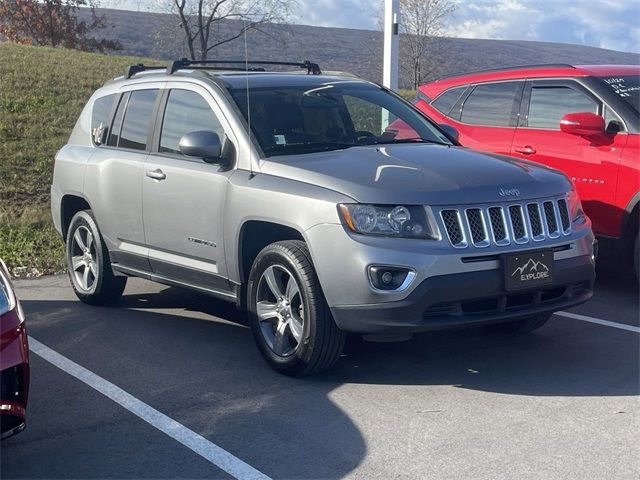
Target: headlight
x=575, y=206
x=405, y=221
x=7, y=299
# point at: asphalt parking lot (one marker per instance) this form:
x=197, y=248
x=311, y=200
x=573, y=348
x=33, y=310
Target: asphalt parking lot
x=559, y=403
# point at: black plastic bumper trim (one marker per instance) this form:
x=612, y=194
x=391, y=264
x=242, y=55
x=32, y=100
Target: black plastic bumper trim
x=577, y=274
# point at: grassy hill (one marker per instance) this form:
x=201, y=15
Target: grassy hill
x=359, y=51
x=42, y=91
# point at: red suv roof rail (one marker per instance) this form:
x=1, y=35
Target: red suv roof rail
x=503, y=69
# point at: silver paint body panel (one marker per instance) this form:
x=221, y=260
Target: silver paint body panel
x=153, y=220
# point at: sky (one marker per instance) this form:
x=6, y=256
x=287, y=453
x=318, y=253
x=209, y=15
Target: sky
x=612, y=24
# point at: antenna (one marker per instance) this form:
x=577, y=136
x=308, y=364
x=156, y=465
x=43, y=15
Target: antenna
x=246, y=64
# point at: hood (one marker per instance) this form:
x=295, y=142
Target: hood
x=419, y=174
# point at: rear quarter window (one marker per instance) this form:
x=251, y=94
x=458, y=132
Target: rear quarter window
x=445, y=102
x=100, y=114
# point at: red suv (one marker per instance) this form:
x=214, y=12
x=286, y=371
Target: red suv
x=582, y=120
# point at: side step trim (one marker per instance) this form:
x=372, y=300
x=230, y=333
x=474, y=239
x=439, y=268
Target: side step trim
x=229, y=296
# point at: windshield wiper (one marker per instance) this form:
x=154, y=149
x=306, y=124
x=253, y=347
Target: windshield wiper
x=385, y=141
x=313, y=146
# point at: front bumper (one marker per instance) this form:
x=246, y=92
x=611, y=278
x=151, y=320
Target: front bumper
x=470, y=298
x=14, y=377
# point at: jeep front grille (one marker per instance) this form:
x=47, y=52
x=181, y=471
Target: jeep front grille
x=453, y=225
x=477, y=226
x=533, y=210
x=502, y=225
x=564, y=214
x=498, y=224
x=552, y=222
x=517, y=224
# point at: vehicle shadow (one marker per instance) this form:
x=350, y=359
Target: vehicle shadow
x=564, y=358
x=193, y=358
x=555, y=361
x=613, y=278
x=616, y=295
x=201, y=371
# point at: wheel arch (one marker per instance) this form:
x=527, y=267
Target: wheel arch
x=257, y=234
x=69, y=206
x=631, y=219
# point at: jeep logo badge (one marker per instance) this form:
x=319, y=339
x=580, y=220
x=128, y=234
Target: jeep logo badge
x=513, y=192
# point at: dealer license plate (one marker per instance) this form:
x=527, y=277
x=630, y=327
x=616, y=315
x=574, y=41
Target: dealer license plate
x=528, y=269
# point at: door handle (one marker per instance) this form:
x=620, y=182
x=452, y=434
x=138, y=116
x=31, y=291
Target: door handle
x=527, y=150
x=156, y=174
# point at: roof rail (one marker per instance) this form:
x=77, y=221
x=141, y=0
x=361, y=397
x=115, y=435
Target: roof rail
x=502, y=69
x=341, y=73
x=131, y=70
x=312, y=68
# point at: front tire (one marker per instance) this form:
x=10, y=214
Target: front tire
x=523, y=325
x=289, y=317
x=88, y=263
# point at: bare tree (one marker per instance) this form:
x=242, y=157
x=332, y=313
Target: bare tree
x=204, y=24
x=421, y=20
x=55, y=23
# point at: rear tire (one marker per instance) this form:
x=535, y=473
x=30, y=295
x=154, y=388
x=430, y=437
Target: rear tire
x=523, y=325
x=289, y=316
x=88, y=263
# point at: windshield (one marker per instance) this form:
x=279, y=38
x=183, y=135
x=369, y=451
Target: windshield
x=626, y=87
x=291, y=120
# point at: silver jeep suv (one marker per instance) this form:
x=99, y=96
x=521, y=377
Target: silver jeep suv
x=321, y=203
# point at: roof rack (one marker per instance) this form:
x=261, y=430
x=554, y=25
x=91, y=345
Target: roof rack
x=312, y=68
x=131, y=70
x=340, y=73
x=515, y=67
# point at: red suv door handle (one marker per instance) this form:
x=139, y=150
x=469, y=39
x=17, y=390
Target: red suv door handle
x=527, y=150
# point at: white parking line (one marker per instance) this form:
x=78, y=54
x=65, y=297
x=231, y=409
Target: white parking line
x=607, y=323
x=197, y=443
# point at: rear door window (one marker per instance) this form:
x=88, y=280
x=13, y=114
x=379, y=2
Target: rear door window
x=492, y=104
x=116, y=126
x=548, y=105
x=137, y=119
x=186, y=111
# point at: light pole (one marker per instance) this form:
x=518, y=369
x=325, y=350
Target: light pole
x=390, y=62
x=391, y=26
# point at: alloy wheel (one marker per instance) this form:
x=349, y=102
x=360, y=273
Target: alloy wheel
x=84, y=263
x=280, y=310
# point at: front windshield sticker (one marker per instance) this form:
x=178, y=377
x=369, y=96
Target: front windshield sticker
x=620, y=87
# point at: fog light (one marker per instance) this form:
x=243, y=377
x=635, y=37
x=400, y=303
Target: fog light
x=390, y=278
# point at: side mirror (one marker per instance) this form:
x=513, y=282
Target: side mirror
x=582, y=123
x=452, y=132
x=203, y=144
